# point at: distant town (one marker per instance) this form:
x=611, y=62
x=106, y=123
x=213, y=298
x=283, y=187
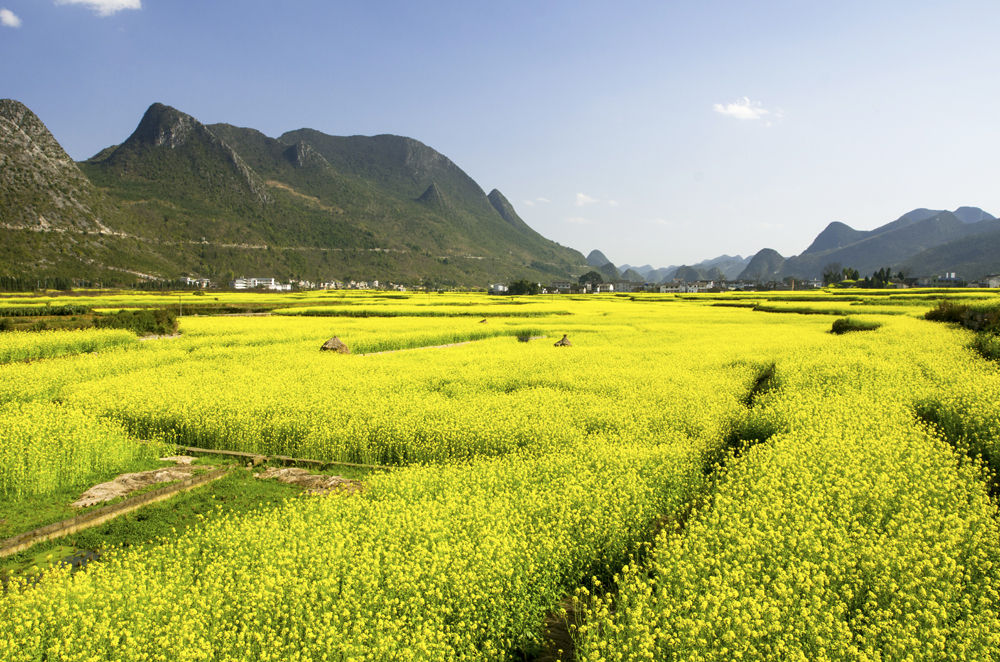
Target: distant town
x=592, y=283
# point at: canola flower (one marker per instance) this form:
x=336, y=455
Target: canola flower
x=852, y=529
x=432, y=563
x=45, y=447
x=33, y=345
x=854, y=533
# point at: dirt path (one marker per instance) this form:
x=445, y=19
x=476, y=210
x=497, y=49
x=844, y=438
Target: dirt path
x=313, y=483
x=100, y=515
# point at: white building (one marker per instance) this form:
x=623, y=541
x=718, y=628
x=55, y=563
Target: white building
x=262, y=283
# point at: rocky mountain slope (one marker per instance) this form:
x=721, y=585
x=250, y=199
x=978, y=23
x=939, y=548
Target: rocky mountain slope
x=922, y=242
x=181, y=197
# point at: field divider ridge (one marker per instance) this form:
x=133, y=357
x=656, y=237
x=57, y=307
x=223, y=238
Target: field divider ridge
x=101, y=515
x=258, y=458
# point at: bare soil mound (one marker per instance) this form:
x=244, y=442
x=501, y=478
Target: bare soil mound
x=178, y=459
x=128, y=483
x=313, y=483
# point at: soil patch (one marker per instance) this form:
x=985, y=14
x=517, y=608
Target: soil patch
x=127, y=483
x=178, y=459
x=313, y=483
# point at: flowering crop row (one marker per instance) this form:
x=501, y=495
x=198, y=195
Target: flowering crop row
x=28, y=345
x=856, y=533
x=432, y=563
x=45, y=447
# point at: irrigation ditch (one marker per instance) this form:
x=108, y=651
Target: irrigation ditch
x=951, y=427
x=99, y=516
x=91, y=519
x=747, y=431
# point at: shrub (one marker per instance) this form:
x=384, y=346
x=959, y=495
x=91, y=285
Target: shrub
x=848, y=324
x=975, y=318
x=155, y=321
x=988, y=346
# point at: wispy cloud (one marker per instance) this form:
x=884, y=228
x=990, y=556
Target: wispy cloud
x=104, y=7
x=582, y=200
x=745, y=109
x=9, y=19
x=579, y=220
x=612, y=203
x=536, y=201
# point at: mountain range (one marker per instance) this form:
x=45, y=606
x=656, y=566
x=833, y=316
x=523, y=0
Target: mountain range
x=920, y=243
x=178, y=197
x=182, y=198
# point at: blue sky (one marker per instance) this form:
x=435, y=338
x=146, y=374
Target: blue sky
x=659, y=132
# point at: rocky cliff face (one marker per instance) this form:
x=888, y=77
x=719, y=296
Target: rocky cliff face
x=41, y=187
x=172, y=148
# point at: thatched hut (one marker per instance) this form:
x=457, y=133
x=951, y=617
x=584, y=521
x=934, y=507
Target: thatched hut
x=335, y=344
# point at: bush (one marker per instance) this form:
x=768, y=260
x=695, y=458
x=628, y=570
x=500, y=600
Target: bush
x=848, y=324
x=974, y=318
x=6, y=324
x=523, y=287
x=35, y=311
x=154, y=321
x=988, y=346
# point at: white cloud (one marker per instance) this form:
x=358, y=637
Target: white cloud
x=9, y=19
x=104, y=7
x=578, y=220
x=540, y=201
x=582, y=200
x=743, y=109
x=612, y=203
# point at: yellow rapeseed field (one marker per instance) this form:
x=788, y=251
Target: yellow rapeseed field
x=710, y=482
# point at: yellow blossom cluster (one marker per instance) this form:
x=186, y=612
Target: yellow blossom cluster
x=856, y=532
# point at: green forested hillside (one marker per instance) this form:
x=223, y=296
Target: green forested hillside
x=178, y=197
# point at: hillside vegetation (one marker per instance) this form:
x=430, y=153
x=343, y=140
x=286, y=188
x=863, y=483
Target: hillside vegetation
x=177, y=197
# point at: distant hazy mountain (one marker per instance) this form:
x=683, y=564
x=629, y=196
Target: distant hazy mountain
x=973, y=215
x=766, y=265
x=729, y=266
x=633, y=276
x=597, y=259
x=891, y=245
x=971, y=257
x=180, y=197
x=834, y=236
x=718, y=268
x=922, y=242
